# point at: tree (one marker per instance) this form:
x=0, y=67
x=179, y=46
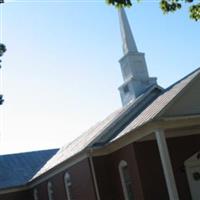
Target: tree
x=166, y=6
x=2, y=51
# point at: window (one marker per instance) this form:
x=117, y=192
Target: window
x=126, y=180
x=68, y=185
x=126, y=89
x=50, y=191
x=35, y=194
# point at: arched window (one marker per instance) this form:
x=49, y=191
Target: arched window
x=35, y=194
x=126, y=180
x=68, y=185
x=50, y=191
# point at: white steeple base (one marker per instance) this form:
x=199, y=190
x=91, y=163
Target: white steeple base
x=133, y=88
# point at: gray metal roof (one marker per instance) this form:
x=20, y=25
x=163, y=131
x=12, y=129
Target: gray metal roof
x=160, y=103
x=32, y=165
x=78, y=144
x=95, y=133
x=149, y=113
x=17, y=169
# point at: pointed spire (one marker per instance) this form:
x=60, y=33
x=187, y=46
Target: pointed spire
x=127, y=36
x=133, y=65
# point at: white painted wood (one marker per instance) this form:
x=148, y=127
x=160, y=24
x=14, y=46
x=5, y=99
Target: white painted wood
x=133, y=65
x=192, y=166
x=94, y=177
x=123, y=164
x=35, y=194
x=194, y=184
x=67, y=180
x=50, y=190
x=166, y=164
x=126, y=33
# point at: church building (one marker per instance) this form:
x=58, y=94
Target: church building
x=149, y=149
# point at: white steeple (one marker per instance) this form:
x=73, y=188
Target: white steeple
x=127, y=36
x=133, y=65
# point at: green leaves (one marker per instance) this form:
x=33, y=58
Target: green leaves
x=169, y=6
x=195, y=12
x=120, y=3
x=173, y=5
x=2, y=49
x=166, y=6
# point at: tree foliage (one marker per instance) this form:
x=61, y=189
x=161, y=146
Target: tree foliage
x=2, y=51
x=166, y=6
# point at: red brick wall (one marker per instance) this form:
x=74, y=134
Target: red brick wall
x=82, y=184
x=150, y=169
x=145, y=171
x=108, y=178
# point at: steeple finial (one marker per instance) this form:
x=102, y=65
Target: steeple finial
x=129, y=44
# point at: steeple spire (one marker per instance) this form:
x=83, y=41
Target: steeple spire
x=129, y=44
x=133, y=65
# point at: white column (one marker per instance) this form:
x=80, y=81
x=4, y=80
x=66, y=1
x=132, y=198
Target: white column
x=94, y=175
x=166, y=164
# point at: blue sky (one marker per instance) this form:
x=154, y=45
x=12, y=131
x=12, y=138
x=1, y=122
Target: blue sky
x=61, y=73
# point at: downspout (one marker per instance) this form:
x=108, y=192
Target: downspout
x=93, y=174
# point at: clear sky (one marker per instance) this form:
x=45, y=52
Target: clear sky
x=61, y=73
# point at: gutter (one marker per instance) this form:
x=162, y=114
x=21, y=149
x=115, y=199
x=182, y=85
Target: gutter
x=93, y=173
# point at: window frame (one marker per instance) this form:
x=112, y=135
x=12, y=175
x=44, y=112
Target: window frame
x=121, y=166
x=68, y=184
x=50, y=190
x=35, y=194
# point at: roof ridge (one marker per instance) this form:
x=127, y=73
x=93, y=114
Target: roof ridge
x=87, y=139
x=141, y=103
x=185, y=77
x=182, y=90
x=160, y=103
x=28, y=152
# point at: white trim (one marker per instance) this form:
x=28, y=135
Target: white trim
x=145, y=130
x=172, y=118
x=50, y=190
x=94, y=177
x=174, y=134
x=35, y=194
x=166, y=164
x=126, y=111
x=129, y=138
x=121, y=165
x=67, y=181
x=192, y=162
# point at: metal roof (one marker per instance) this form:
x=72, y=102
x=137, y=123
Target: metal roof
x=95, y=133
x=77, y=145
x=149, y=113
x=160, y=103
x=17, y=169
x=32, y=165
